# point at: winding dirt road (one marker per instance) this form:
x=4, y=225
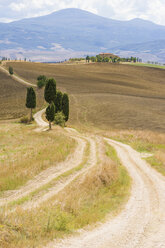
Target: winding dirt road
x=142, y=222
x=17, y=78
x=53, y=172
x=49, y=174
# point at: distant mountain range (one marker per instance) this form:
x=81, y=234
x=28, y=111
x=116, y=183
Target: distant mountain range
x=74, y=32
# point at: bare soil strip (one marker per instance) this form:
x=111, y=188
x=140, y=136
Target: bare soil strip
x=141, y=223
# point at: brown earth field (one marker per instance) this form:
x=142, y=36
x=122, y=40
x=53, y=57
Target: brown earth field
x=13, y=97
x=104, y=96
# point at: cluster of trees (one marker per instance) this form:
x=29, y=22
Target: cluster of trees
x=154, y=63
x=58, y=108
x=131, y=59
x=15, y=59
x=99, y=58
x=76, y=59
x=41, y=81
x=113, y=59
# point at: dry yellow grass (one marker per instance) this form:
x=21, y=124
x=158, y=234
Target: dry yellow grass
x=158, y=161
x=85, y=201
x=143, y=135
x=160, y=155
x=127, y=99
x=25, y=153
x=147, y=142
x=85, y=190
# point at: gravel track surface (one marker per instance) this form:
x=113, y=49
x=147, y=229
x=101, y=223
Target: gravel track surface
x=141, y=224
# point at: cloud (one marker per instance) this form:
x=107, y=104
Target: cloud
x=6, y=42
x=117, y=9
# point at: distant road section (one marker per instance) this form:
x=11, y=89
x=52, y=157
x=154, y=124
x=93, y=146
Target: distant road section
x=20, y=80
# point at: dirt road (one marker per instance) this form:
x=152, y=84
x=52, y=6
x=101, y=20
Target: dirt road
x=53, y=172
x=17, y=78
x=142, y=222
x=49, y=174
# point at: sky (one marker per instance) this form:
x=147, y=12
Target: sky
x=153, y=10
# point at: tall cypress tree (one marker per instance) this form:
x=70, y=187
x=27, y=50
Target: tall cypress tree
x=50, y=91
x=65, y=106
x=58, y=101
x=11, y=70
x=50, y=97
x=30, y=100
x=50, y=112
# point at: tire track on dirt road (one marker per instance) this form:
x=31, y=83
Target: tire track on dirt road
x=49, y=174
x=141, y=224
x=51, y=192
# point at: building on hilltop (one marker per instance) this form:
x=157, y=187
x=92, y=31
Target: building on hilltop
x=108, y=55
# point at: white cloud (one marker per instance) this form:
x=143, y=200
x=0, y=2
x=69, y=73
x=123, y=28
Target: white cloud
x=6, y=42
x=152, y=10
x=17, y=6
x=117, y=9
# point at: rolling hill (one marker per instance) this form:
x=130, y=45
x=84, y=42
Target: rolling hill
x=13, y=98
x=107, y=96
x=72, y=32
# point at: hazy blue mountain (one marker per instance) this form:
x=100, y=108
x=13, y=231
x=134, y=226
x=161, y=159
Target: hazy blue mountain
x=78, y=30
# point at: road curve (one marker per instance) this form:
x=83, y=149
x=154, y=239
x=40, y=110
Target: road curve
x=49, y=174
x=141, y=224
x=18, y=79
x=42, y=125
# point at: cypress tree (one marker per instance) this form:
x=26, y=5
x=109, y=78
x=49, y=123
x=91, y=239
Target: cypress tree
x=50, y=113
x=58, y=101
x=30, y=100
x=50, y=91
x=11, y=70
x=65, y=106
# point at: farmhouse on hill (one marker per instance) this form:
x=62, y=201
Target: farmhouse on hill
x=108, y=55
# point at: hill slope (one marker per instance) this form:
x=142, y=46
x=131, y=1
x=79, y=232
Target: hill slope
x=13, y=97
x=107, y=96
x=76, y=30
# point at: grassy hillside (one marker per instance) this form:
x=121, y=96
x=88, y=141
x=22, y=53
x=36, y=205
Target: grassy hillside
x=25, y=153
x=107, y=96
x=12, y=98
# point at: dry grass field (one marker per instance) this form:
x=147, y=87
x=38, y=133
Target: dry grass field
x=86, y=200
x=13, y=97
x=107, y=96
x=124, y=102
x=25, y=153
